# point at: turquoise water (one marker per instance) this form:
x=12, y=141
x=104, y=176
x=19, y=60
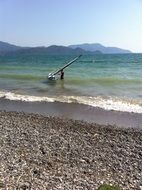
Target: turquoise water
x=90, y=80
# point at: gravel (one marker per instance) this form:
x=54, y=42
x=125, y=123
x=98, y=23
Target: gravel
x=38, y=152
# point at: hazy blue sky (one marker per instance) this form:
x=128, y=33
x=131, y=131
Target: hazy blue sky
x=64, y=22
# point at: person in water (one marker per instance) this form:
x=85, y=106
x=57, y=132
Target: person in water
x=62, y=74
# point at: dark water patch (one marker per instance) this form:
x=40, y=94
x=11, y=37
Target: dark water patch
x=22, y=77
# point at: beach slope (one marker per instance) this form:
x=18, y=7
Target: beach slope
x=39, y=152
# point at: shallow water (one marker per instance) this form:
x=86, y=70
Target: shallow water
x=112, y=82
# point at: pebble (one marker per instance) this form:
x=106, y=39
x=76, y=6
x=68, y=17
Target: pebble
x=39, y=152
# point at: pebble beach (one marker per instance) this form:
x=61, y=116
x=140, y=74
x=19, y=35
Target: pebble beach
x=44, y=152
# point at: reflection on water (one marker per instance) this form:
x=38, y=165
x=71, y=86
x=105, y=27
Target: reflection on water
x=54, y=87
x=54, y=83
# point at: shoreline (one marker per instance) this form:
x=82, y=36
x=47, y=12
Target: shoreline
x=41, y=152
x=75, y=111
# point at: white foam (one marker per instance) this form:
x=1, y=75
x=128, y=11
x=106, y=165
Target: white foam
x=107, y=104
x=26, y=98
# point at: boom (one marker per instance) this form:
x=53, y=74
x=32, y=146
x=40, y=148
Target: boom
x=52, y=75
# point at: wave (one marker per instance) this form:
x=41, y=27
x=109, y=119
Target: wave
x=100, y=102
x=22, y=77
x=81, y=81
x=112, y=80
x=104, y=81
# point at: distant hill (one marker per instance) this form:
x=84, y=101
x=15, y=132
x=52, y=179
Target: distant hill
x=51, y=50
x=55, y=50
x=6, y=47
x=85, y=49
x=99, y=47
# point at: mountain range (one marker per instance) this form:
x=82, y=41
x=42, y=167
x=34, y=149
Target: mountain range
x=85, y=49
x=96, y=46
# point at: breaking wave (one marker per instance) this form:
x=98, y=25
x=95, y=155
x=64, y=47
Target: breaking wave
x=110, y=103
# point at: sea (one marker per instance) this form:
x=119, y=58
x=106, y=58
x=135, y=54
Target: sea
x=107, y=81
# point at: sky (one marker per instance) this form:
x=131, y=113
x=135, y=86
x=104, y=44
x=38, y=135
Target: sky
x=65, y=22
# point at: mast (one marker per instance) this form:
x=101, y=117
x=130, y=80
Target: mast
x=51, y=76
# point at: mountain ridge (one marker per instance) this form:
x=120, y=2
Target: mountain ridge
x=5, y=47
x=100, y=47
x=86, y=49
x=50, y=50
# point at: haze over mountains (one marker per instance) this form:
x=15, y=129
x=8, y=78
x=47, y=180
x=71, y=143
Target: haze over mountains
x=85, y=49
x=96, y=46
x=6, y=47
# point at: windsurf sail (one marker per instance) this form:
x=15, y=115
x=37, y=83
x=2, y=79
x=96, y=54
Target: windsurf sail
x=51, y=76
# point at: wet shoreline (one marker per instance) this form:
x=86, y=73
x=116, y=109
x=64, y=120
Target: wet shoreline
x=75, y=111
